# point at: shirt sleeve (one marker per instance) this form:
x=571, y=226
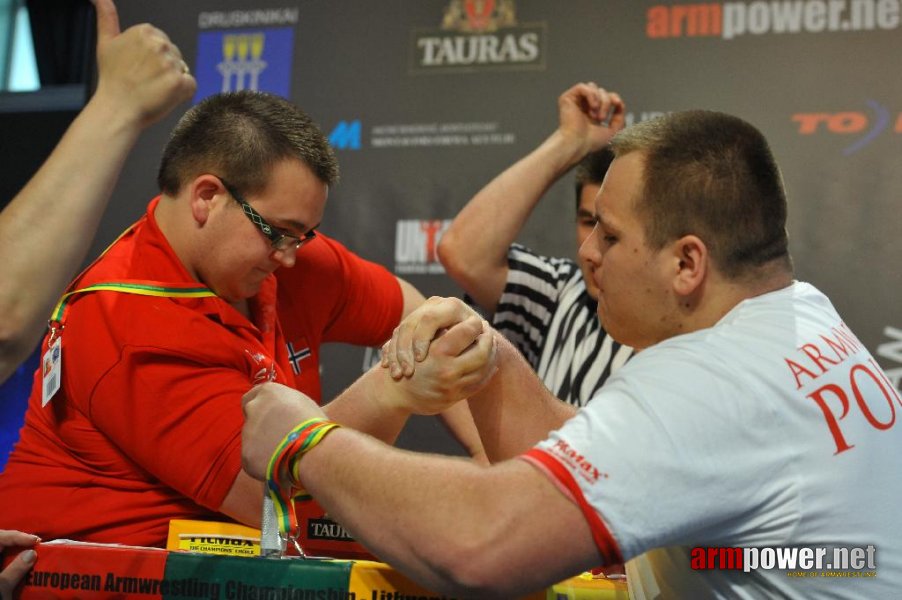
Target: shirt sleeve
x=350, y=299
x=176, y=417
x=650, y=452
x=162, y=380
x=530, y=297
x=566, y=484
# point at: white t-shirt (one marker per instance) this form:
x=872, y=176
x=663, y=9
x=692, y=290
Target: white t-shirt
x=774, y=428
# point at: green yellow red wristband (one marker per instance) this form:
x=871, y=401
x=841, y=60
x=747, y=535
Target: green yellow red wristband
x=284, y=466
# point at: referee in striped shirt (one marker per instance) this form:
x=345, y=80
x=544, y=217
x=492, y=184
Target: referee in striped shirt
x=545, y=306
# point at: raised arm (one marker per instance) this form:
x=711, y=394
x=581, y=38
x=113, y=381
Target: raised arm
x=47, y=228
x=588, y=118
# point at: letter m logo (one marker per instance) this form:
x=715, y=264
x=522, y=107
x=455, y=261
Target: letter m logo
x=346, y=135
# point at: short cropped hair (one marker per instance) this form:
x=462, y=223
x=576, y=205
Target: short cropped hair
x=240, y=137
x=712, y=175
x=591, y=170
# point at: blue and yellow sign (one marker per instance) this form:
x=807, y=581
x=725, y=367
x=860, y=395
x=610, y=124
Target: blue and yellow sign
x=244, y=59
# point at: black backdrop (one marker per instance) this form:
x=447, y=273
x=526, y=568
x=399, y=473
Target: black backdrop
x=423, y=116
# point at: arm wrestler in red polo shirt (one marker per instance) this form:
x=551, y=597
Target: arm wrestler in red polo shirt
x=167, y=330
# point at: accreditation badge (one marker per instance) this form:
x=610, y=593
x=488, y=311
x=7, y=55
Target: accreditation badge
x=51, y=370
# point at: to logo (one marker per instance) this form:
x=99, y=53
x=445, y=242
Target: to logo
x=231, y=61
x=415, y=246
x=476, y=35
x=346, y=135
x=850, y=123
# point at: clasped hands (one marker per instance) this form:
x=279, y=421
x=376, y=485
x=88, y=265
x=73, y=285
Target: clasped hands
x=441, y=353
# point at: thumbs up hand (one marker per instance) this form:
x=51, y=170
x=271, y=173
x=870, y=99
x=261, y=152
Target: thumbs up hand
x=142, y=75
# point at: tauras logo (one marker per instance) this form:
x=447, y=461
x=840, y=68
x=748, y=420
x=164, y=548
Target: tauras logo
x=477, y=35
x=574, y=458
x=326, y=529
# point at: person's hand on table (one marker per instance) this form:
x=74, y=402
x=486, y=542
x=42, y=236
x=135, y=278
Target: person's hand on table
x=16, y=570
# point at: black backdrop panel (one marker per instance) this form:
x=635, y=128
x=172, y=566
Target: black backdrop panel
x=423, y=116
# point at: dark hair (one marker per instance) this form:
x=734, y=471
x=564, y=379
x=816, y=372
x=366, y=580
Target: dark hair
x=591, y=170
x=712, y=175
x=241, y=136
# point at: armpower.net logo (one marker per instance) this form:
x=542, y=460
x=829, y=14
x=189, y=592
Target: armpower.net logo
x=730, y=20
x=797, y=561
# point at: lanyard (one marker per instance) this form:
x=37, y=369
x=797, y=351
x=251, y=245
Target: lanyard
x=129, y=286
x=283, y=468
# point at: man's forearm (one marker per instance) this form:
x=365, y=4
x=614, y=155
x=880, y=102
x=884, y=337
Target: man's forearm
x=47, y=228
x=369, y=405
x=451, y=525
x=459, y=422
x=515, y=410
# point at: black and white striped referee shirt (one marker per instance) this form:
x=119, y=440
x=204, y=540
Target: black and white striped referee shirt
x=547, y=314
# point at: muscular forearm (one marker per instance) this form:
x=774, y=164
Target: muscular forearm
x=460, y=423
x=477, y=261
x=515, y=410
x=451, y=525
x=47, y=228
x=369, y=405
x=244, y=501
x=411, y=297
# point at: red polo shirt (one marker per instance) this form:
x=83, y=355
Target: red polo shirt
x=147, y=424
x=333, y=295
